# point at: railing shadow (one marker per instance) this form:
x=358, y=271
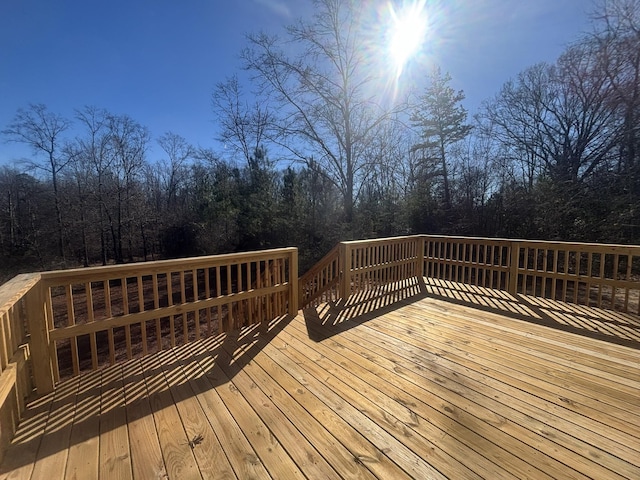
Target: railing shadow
x=103, y=401
x=606, y=325
x=333, y=318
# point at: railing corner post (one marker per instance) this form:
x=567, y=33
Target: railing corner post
x=345, y=271
x=293, y=282
x=39, y=339
x=514, y=259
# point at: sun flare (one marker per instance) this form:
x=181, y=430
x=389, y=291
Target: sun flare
x=406, y=32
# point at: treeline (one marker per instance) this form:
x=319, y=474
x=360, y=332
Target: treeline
x=309, y=162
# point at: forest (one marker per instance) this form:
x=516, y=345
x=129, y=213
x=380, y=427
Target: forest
x=314, y=156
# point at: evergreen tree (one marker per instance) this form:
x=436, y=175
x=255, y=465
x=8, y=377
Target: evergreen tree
x=440, y=118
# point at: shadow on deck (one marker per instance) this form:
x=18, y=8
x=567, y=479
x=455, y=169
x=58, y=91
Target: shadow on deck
x=209, y=407
x=609, y=326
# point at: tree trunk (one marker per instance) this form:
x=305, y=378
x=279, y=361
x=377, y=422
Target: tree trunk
x=445, y=176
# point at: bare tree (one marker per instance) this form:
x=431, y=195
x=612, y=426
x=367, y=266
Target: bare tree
x=42, y=130
x=128, y=144
x=174, y=167
x=324, y=94
x=559, y=116
x=616, y=36
x=93, y=163
x=243, y=125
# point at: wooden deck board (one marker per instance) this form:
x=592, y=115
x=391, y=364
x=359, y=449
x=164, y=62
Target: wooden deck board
x=419, y=388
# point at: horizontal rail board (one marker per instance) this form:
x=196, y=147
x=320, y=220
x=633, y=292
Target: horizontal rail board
x=115, y=272
x=149, y=315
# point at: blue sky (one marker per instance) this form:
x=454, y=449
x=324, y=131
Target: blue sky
x=158, y=60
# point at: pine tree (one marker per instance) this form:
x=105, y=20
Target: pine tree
x=441, y=120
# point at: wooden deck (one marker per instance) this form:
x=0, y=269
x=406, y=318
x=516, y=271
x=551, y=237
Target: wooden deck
x=404, y=385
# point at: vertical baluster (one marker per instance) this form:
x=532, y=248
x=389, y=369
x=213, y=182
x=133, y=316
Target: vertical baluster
x=93, y=344
x=183, y=300
x=614, y=275
x=251, y=301
x=565, y=271
x=125, y=311
x=603, y=258
x=109, y=313
x=230, y=316
x=241, y=304
x=196, y=313
x=143, y=324
x=53, y=346
x=544, y=274
x=75, y=361
x=218, y=295
x=172, y=320
x=589, y=276
x=269, y=283
x=278, y=281
x=533, y=267
x=627, y=279
x=487, y=265
x=5, y=344
x=554, y=279
x=576, y=285
x=156, y=306
x=207, y=289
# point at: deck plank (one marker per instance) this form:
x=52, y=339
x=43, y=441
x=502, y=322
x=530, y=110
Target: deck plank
x=115, y=458
x=459, y=431
x=297, y=446
x=236, y=457
x=394, y=433
x=246, y=435
x=146, y=455
x=53, y=452
x=401, y=385
x=334, y=452
x=83, y=461
x=533, y=425
x=360, y=447
x=205, y=444
x=20, y=458
x=543, y=376
x=178, y=456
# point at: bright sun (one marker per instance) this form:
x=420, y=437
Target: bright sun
x=407, y=31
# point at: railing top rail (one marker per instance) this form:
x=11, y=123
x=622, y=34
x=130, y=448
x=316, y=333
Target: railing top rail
x=381, y=240
x=566, y=245
x=321, y=263
x=160, y=266
x=13, y=290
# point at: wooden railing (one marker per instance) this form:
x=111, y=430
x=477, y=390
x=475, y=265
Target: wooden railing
x=106, y=314
x=599, y=275
x=61, y=323
x=80, y=319
x=321, y=282
x=15, y=375
x=356, y=266
x=477, y=261
x=369, y=264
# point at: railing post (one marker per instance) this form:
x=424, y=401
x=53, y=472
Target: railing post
x=39, y=339
x=293, y=282
x=513, y=268
x=420, y=270
x=345, y=271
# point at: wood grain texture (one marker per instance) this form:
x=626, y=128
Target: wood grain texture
x=399, y=385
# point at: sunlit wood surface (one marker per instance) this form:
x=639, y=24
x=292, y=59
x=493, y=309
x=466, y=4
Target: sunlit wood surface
x=403, y=385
